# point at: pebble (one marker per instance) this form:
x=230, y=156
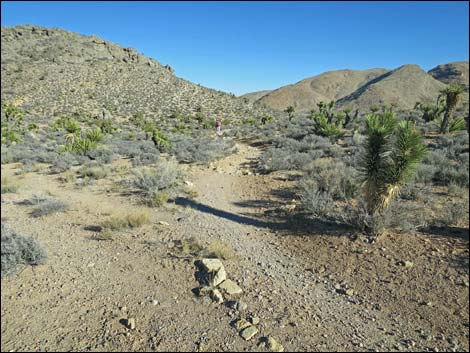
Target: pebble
x=216, y=296
x=130, y=323
x=273, y=345
x=249, y=333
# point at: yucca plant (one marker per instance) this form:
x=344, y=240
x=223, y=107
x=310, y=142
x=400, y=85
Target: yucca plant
x=392, y=151
x=452, y=96
x=325, y=122
x=159, y=139
x=95, y=135
x=455, y=125
x=290, y=111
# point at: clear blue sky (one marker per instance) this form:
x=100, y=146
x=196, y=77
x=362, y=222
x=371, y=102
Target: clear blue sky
x=241, y=47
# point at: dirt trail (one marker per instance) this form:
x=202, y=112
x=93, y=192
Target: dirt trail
x=75, y=301
x=302, y=309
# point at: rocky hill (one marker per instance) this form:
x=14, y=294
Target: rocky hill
x=456, y=72
x=361, y=89
x=403, y=86
x=331, y=85
x=53, y=71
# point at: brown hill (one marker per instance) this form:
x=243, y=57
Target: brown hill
x=451, y=73
x=331, y=85
x=403, y=86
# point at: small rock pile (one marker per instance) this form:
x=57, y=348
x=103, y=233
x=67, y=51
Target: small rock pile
x=213, y=281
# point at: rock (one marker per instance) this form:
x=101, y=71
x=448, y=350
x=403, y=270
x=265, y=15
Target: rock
x=211, y=265
x=249, y=333
x=163, y=223
x=254, y=320
x=273, y=345
x=155, y=302
x=349, y=292
x=202, y=291
x=408, y=264
x=241, y=324
x=105, y=114
x=216, y=296
x=230, y=287
x=238, y=305
x=188, y=183
x=219, y=277
x=130, y=323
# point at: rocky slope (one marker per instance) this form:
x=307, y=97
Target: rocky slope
x=53, y=71
x=451, y=73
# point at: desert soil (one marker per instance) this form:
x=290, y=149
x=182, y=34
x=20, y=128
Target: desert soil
x=314, y=286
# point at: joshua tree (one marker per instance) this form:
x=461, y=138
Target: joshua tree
x=290, y=110
x=452, y=96
x=430, y=112
x=392, y=151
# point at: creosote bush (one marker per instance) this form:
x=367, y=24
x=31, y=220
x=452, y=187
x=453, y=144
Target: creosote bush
x=18, y=250
x=159, y=183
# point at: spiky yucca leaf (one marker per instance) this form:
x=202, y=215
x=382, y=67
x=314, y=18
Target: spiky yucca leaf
x=392, y=152
x=375, y=161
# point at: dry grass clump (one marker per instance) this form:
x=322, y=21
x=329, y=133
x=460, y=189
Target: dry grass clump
x=131, y=220
x=220, y=250
x=8, y=187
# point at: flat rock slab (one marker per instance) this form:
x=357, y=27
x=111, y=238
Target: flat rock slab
x=249, y=333
x=230, y=287
x=241, y=324
x=211, y=265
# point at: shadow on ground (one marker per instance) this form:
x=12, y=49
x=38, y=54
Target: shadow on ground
x=297, y=223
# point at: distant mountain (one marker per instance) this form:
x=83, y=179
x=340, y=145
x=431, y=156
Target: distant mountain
x=403, y=86
x=362, y=89
x=451, y=73
x=331, y=85
x=51, y=71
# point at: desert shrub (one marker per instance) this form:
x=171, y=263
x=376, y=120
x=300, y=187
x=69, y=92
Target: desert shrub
x=145, y=159
x=318, y=203
x=284, y=159
x=453, y=213
x=18, y=250
x=64, y=161
x=296, y=154
x=94, y=172
x=158, y=184
x=446, y=171
x=36, y=199
x=48, y=207
x=102, y=155
x=200, y=150
x=332, y=178
x=414, y=191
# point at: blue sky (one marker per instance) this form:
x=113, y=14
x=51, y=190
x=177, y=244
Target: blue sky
x=242, y=47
